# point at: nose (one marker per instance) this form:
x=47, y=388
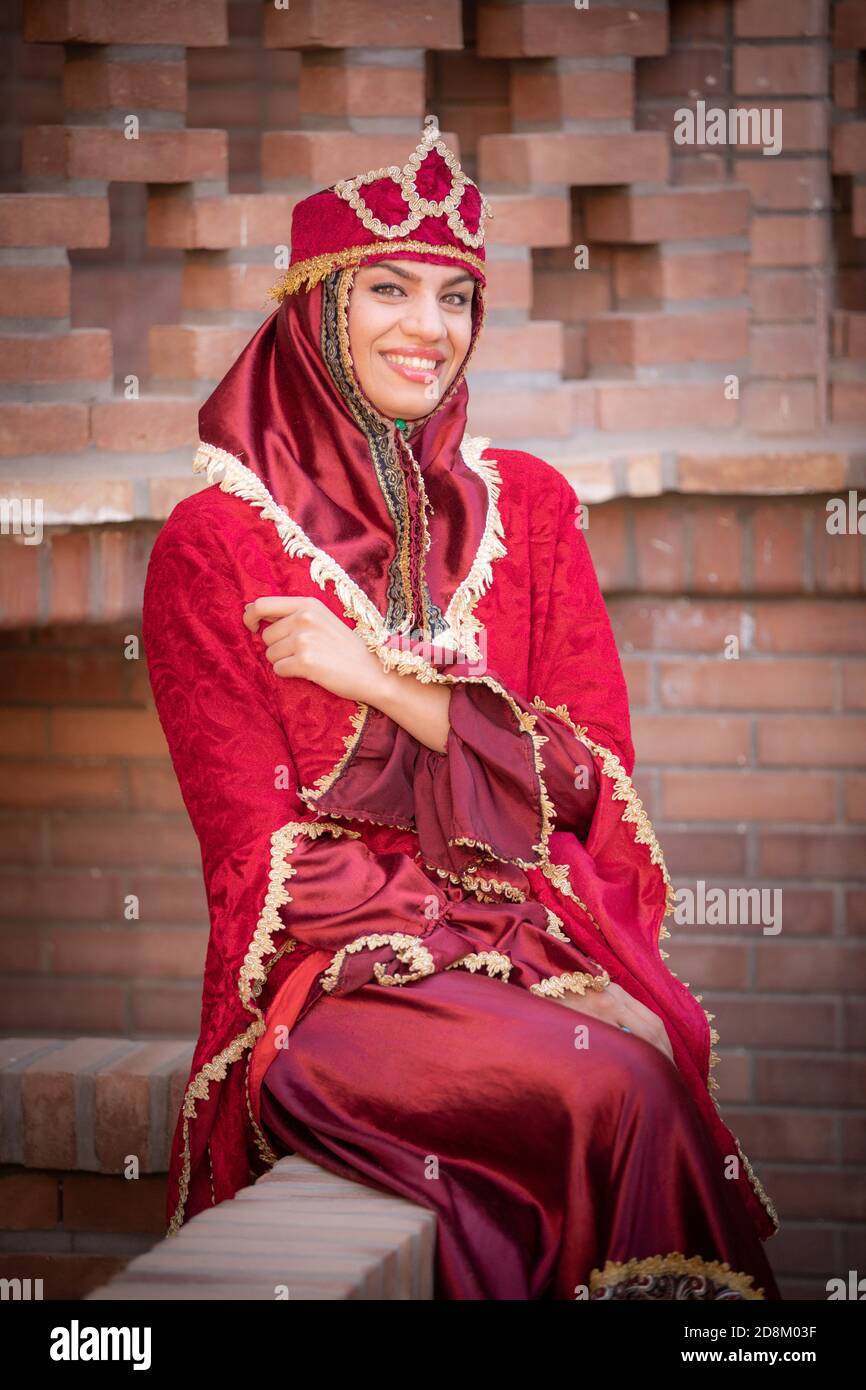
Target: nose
x=423, y=318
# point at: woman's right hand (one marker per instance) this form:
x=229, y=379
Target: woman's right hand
x=613, y=1005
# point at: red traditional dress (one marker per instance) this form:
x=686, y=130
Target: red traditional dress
x=391, y=927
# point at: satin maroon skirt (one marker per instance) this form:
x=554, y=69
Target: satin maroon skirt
x=550, y=1166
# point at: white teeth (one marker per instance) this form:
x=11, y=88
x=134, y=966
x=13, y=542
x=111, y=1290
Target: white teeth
x=418, y=363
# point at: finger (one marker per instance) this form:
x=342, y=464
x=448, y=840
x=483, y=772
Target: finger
x=281, y=651
x=272, y=606
x=282, y=628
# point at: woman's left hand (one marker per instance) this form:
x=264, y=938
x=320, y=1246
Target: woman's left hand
x=304, y=638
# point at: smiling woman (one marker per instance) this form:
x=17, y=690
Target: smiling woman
x=399, y=721
x=410, y=329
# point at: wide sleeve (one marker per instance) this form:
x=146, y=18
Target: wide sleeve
x=514, y=768
x=276, y=878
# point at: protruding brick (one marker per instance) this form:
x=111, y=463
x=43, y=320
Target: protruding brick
x=642, y=339
x=34, y=291
x=50, y=428
x=145, y=426
x=197, y=23
x=364, y=24
x=540, y=31
x=565, y=157
x=181, y=352
x=81, y=355
x=95, y=83
x=174, y=219
x=102, y=152
x=53, y=219
x=675, y=215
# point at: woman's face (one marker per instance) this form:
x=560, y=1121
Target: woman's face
x=415, y=310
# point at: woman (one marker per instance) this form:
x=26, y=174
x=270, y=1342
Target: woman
x=398, y=718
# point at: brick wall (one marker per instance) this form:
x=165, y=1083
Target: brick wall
x=141, y=266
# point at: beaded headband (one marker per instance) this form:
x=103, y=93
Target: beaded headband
x=430, y=195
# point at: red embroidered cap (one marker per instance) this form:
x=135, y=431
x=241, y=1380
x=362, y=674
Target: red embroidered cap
x=427, y=210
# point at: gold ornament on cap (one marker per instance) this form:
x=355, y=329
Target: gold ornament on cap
x=419, y=207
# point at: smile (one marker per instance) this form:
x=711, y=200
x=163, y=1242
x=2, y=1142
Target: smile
x=413, y=368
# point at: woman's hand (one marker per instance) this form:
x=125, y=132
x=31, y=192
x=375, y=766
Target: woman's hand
x=613, y=1005
x=304, y=638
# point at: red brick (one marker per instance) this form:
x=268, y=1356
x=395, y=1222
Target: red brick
x=95, y=84
x=848, y=402
x=780, y=70
x=804, y=125
x=69, y=785
x=181, y=352
x=505, y=348
x=571, y=295
x=784, y=350
x=565, y=157
x=84, y=354
x=643, y=272
x=785, y=185
x=685, y=624
x=675, y=215
x=847, y=84
x=746, y=684
x=698, y=19
x=539, y=31
x=812, y=741
x=789, y=241
x=196, y=22
x=748, y=796
x=99, y=1202
x=148, y=425
x=323, y=156
x=70, y=577
x=555, y=96
x=175, y=219
x=837, y=561
x=783, y=295
x=35, y=291
x=20, y=586
x=529, y=412
x=330, y=90
x=849, y=24
x=100, y=152
x=855, y=798
x=53, y=219
x=694, y=738
x=849, y=148
x=363, y=24
x=641, y=339
x=854, y=684
x=526, y=219
x=52, y=428
x=168, y=953
x=659, y=546
x=775, y=408
x=812, y=626
x=779, y=547
x=29, y=1201
x=674, y=405
x=239, y=286
x=780, y=19
x=717, y=551
x=698, y=71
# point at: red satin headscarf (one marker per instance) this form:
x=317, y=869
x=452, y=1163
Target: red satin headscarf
x=403, y=518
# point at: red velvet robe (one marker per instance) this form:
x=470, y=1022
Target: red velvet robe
x=337, y=850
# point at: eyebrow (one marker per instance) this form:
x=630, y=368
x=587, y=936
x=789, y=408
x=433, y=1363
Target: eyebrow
x=407, y=274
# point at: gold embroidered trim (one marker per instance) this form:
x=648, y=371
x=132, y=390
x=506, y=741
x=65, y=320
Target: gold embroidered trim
x=407, y=948
x=494, y=962
x=267, y=1154
x=615, y=1272
x=470, y=880
x=419, y=207
x=232, y=476
x=250, y=978
x=305, y=275
x=554, y=926
x=635, y=814
x=572, y=981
